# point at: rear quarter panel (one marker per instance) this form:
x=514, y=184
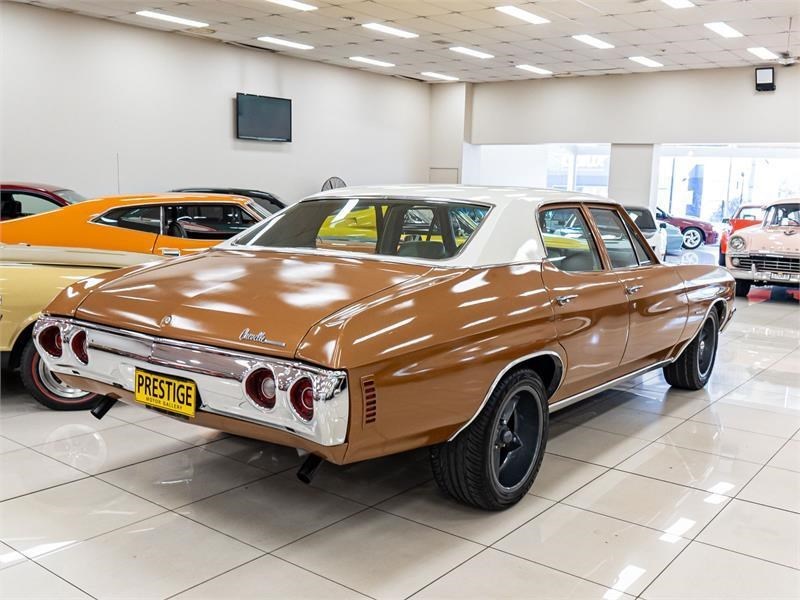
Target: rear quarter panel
x=705, y=285
x=26, y=289
x=433, y=348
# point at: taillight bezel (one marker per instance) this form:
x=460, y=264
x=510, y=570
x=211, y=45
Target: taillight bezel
x=254, y=388
x=51, y=341
x=79, y=344
x=301, y=398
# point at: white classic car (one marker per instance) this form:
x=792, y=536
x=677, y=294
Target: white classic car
x=768, y=254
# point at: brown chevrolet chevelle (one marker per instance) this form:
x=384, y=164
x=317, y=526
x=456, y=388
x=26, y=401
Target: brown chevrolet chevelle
x=367, y=321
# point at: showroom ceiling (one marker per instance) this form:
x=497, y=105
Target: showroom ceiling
x=676, y=38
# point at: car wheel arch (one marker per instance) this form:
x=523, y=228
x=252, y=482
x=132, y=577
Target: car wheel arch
x=548, y=364
x=25, y=334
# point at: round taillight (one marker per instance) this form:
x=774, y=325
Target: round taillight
x=50, y=340
x=260, y=388
x=80, y=346
x=302, y=398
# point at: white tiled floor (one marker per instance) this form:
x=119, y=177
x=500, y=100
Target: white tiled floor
x=645, y=491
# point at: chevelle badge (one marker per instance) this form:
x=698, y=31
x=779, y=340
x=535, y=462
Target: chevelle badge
x=260, y=337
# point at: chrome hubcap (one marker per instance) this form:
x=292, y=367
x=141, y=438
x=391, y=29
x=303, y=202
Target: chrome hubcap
x=57, y=387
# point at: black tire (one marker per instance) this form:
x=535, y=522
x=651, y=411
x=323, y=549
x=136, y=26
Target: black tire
x=742, y=288
x=693, y=368
x=473, y=468
x=721, y=259
x=700, y=236
x=35, y=378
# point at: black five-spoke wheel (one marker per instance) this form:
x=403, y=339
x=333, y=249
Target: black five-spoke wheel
x=493, y=462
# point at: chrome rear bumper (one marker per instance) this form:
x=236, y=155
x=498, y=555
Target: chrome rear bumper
x=114, y=356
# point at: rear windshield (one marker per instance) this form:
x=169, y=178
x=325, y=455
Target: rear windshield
x=426, y=229
x=643, y=218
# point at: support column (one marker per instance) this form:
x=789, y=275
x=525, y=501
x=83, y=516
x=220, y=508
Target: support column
x=632, y=177
x=447, y=126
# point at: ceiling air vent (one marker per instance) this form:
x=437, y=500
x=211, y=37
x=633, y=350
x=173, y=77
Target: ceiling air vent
x=369, y=393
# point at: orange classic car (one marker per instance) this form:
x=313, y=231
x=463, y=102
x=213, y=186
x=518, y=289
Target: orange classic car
x=164, y=224
x=458, y=319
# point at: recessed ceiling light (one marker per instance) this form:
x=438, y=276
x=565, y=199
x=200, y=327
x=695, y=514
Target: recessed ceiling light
x=647, y=62
x=390, y=30
x=678, y=3
x=723, y=29
x=532, y=69
x=371, y=61
x=593, y=41
x=294, y=4
x=515, y=11
x=282, y=42
x=763, y=53
x=433, y=75
x=170, y=19
x=471, y=52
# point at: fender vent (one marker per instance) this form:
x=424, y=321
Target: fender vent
x=370, y=395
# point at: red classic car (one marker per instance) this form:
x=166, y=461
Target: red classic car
x=26, y=199
x=695, y=232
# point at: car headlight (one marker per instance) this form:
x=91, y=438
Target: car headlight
x=737, y=243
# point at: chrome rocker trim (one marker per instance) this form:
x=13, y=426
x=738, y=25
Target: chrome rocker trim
x=565, y=402
x=219, y=374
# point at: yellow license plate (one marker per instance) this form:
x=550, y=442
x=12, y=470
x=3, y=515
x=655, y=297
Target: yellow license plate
x=167, y=393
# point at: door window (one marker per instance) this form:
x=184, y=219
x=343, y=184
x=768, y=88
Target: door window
x=206, y=221
x=568, y=240
x=31, y=204
x=139, y=218
x=615, y=237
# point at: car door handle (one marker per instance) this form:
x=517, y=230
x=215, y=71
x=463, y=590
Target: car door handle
x=562, y=300
x=632, y=289
x=170, y=252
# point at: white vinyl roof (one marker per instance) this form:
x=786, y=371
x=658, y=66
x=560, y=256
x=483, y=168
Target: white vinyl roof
x=508, y=234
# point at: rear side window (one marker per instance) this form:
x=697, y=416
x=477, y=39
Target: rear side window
x=20, y=204
x=643, y=219
x=615, y=237
x=206, y=221
x=139, y=218
x=568, y=240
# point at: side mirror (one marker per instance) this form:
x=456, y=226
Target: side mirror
x=662, y=225
x=726, y=220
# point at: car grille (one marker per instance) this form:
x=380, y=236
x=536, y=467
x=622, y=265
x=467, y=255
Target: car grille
x=781, y=264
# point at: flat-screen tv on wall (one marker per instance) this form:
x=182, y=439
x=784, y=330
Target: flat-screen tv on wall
x=263, y=118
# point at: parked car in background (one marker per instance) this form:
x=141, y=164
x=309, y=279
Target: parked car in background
x=30, y=277
x=656, y=235
x=769, y=253
x=166, y=224
x=674, y=238
x=746, y=216
x=270, y=202
x=695, y=231
x=19, y=199
x=463, y=341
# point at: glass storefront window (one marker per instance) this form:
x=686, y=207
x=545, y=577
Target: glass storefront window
x=711, y=182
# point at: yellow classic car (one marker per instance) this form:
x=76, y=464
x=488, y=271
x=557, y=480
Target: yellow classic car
x=30, y=277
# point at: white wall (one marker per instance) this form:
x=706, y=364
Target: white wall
x=507, y=165
x=76, y=94
x=632, y=174
x=703, y=106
